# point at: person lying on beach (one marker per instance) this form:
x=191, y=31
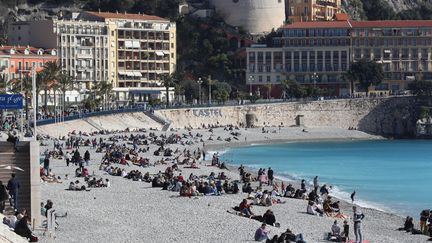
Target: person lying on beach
x=193, y=165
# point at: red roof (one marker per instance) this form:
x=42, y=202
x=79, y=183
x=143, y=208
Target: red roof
x=341, y=17
x=108, y=15
x=318, y=24
x=391, y=23
x=19, y=50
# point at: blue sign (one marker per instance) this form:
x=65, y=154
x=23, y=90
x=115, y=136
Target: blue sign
x=11, y=101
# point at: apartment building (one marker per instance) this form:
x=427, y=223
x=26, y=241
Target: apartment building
x=82, y=46
x=319, y=54
x=134, y=52
x=18, y=61
x=312, y=10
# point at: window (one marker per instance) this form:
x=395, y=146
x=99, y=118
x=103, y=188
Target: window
x=268, y=79
x=260, y=79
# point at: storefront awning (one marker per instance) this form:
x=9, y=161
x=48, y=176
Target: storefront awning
x=159, y=53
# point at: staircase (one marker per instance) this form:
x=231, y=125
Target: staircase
x=165, y=123
x=19, y=159
x=93, y=124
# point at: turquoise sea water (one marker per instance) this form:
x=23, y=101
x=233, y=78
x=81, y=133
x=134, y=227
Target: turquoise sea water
x=391, y=175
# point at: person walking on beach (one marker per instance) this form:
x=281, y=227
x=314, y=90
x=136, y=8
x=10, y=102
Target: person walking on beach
x=68, y=158
x=424, y=216
x=358, y=217
x=352, y=196
x=270, y=176
x=13, y=186
x=315, y=182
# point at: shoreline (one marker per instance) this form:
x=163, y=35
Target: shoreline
x=222, y=148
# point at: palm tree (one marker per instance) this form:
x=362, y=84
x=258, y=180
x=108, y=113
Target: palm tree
x=52, y=71
x=269, y=88
x=41, y=84
x=168, y=82
x=65, y=82
x=104, y=90
x=3, y=83
x=25, y=85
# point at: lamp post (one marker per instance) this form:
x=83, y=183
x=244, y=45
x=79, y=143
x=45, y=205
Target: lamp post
x=209, y=83
x=314, y=78
x=251, y=80
x=199, y=90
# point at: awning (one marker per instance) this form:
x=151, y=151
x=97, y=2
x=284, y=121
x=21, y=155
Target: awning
x=137, y=74
x=144, y=92
x=166, y=52
x=159, y=53
x=130, y=74
x=122, y=72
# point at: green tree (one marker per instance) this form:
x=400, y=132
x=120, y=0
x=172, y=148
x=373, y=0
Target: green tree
x=191, y=90
x=51, y=73
x=3, y=83
x=65, y=83
x=293, y=89
x=104, y=90
x=221, y=92
x=25, y=85
x=167, y=82
x=367, y=73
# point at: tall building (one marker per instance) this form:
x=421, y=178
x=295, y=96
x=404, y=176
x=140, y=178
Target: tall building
x=312, y=10
x=134, y=52
x=255, y=16
x=319, y=54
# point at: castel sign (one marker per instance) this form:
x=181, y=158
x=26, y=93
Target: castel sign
x=207, y=112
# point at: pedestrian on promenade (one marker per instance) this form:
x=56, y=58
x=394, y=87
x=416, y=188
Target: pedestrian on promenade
x=13, y=187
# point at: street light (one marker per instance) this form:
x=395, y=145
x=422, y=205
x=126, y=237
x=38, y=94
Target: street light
x=251, y=80
x=209, y=97
x=199, y=92
x=314, y=78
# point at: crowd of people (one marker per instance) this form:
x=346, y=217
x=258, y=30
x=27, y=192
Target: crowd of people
x=127, y=153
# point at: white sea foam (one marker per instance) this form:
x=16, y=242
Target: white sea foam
x=334, y=191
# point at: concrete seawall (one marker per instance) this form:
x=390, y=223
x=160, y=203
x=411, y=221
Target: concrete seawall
x=394, y=116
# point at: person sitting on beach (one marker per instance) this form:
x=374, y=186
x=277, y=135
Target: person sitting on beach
x=245, y=208
x=247, y=188
x=408, y=225
x=289, y=191
x=335, y=234
x=22, y=228
x=291, y=237
x=269, y=218
x=261, y=234
x=312, y=209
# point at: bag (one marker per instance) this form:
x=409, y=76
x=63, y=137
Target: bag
x=33, y=238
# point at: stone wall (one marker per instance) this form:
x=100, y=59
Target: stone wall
x=394, y=116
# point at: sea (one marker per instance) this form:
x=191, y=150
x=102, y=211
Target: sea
x=389, y=175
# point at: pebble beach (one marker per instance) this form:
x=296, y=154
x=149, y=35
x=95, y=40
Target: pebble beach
x=133, y=211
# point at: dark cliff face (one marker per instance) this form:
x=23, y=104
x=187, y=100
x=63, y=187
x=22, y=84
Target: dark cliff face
x=392, y=117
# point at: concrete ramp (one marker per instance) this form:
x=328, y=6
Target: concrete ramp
x=108, y=122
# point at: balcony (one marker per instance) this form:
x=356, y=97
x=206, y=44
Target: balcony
x=84, y=56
